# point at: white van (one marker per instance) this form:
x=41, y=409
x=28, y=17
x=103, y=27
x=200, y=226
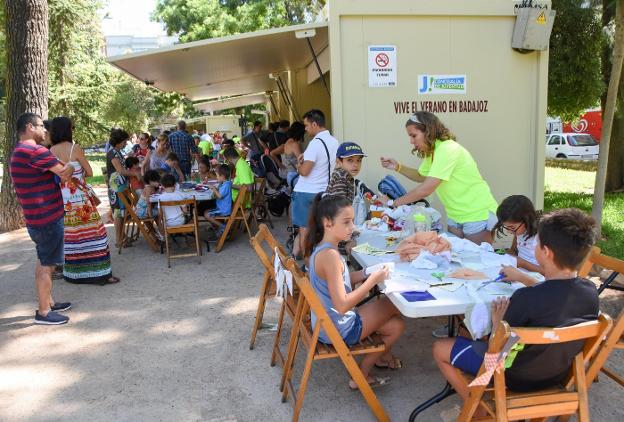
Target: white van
x=575, y=146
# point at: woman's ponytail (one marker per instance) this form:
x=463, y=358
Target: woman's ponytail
x=324, y=206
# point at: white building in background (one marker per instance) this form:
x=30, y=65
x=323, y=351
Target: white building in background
x=125, y=44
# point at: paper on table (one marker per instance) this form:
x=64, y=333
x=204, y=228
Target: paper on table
x=499, y=289
x=400, y=283
x=373, y=268
x=367, y=249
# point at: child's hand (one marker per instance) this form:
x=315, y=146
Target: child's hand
x=300, y=159
x=511, y=273
x=380, y=275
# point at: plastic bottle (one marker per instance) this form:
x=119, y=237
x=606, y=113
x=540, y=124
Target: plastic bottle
x=419, y=223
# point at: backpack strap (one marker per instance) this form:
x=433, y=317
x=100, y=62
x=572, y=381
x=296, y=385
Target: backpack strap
x=328, y=160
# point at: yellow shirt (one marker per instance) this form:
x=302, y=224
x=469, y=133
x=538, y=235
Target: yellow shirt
x=463, y=192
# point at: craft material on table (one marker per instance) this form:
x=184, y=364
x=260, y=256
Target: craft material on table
x=418, y=296
x=401, y=283
x=412, y=246
x=367, y=249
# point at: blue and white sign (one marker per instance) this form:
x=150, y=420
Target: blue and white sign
x=441, y=84
x=382, y=66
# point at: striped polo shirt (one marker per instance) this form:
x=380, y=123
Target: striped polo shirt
x=37, y=191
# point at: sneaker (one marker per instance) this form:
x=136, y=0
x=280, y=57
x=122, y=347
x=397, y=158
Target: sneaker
x=51, y=319
x=440, y=332
x=61, y=306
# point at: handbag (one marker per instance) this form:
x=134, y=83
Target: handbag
x=95, y=200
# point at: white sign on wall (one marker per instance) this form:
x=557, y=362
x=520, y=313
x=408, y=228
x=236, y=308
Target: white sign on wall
x=441, y=84
x=382, y=66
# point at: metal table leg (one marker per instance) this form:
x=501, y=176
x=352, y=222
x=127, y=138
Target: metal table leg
x=447, y=391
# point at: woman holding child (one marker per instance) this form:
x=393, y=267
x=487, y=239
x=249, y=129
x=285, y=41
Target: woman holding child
x=87, y=257
x=449, y=170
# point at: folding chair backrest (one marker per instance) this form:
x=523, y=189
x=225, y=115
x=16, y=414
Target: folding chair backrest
x=262, y=237
x=605, y=261
x=178, y=203
x=129, y=200
x=613, y=340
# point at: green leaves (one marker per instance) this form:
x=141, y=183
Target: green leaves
x=574, y=75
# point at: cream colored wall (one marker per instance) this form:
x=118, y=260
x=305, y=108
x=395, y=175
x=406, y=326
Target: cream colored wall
x=314, y=95
x=442, y=37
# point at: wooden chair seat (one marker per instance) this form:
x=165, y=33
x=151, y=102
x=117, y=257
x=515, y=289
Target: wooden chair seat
x=302, y=333
x=505, y=405
x=189, y=228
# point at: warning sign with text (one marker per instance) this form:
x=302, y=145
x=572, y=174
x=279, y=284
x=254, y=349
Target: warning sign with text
x=382, y=66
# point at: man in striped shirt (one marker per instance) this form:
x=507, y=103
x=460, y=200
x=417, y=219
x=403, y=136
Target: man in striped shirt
x=33, y=169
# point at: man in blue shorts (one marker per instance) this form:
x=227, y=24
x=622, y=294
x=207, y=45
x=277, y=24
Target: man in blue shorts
x=33, y=169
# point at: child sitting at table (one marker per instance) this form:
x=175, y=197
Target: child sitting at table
x=173, y=215
x=564, y=299
x=204, y=170
x=136, y=184
x=517, y=216
x=143, y=207
x=172, y=166
x=224, y=199
x=331, y=221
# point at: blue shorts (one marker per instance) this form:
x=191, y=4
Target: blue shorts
x=354, y=334
x=216, y=213
x=49, y=242
x=468, y=355
x=301, y=202
x=474, y=227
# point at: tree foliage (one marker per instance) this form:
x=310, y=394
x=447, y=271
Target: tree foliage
x=574, y=79
x=200, y=19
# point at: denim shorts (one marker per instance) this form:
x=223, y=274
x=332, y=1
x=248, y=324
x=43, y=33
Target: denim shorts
x=301, y=202
x=468, y=355
x=49, y=241
x=354, y=334
x=474, y=227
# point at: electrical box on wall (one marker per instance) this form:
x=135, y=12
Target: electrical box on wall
x=532, y=29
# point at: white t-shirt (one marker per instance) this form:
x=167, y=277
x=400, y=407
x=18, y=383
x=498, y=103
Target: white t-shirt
x=205, y=137
x=526, y=248
x=174, y=215
x=318, y=178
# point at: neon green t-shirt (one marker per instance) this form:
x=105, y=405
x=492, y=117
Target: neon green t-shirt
x=206, y=147
x=463, y=192
x=244, y=176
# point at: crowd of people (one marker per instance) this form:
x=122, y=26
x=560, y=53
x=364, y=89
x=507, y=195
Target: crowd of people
x=62, y=219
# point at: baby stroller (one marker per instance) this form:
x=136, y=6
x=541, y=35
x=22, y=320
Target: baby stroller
x=272, y=196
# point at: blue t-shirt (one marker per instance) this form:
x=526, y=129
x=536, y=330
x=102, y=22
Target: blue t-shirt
x=224, y=204
x=170, y=170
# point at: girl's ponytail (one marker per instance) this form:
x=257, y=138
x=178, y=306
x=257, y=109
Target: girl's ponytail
x=324, y=206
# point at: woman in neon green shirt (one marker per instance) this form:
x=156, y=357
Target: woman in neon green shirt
x=449, y=170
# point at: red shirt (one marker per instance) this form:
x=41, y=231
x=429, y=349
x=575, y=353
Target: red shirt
x=37, y=191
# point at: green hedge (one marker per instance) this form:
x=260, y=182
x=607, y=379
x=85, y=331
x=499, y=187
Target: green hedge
x=565, y=163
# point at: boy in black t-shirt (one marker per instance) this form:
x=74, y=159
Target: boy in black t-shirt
x=565, y=238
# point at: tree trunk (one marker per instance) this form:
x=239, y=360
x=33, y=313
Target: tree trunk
x=609, y=112
x=26, y=30
x=615, y=167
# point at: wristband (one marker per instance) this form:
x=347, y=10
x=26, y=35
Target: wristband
x=398, y=169
x=390, y=203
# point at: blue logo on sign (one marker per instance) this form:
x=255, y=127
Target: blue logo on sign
x=423, y=85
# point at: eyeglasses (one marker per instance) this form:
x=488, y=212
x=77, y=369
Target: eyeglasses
x=512, y=229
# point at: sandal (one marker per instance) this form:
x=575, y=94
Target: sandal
x=376, y=382
x=394, y=364
x=110, y=280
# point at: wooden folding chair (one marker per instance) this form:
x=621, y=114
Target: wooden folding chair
x=260, y=207
x=239, y=214
x=309, y=301
x=262, y=237
x=616, y=266
x=192, y=227
x=504, y=405
x=132, y=222
x=614, y=340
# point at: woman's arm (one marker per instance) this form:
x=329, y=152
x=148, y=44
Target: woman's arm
x=120, y=169
x=409, y=172
x=84, y=163
x=146, y=160
x=179, y=171
x=421, y=191
x=275, y=154
x=330, y=268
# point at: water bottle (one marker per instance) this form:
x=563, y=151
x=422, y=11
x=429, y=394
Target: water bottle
x=419, y=223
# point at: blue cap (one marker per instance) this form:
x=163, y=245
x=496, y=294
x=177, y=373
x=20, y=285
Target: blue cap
x=349, y=149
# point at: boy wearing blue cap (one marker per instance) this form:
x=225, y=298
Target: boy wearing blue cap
x=349, y=162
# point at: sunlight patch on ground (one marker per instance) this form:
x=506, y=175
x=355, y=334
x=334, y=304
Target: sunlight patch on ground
x=182, y=327
x=28, y=389
x=241, y=306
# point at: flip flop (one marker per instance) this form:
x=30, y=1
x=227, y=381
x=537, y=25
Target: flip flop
x=376, y=382
x=398, y=364
x=110, y=280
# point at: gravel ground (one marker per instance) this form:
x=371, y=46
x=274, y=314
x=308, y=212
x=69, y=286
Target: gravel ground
x=172, y=345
